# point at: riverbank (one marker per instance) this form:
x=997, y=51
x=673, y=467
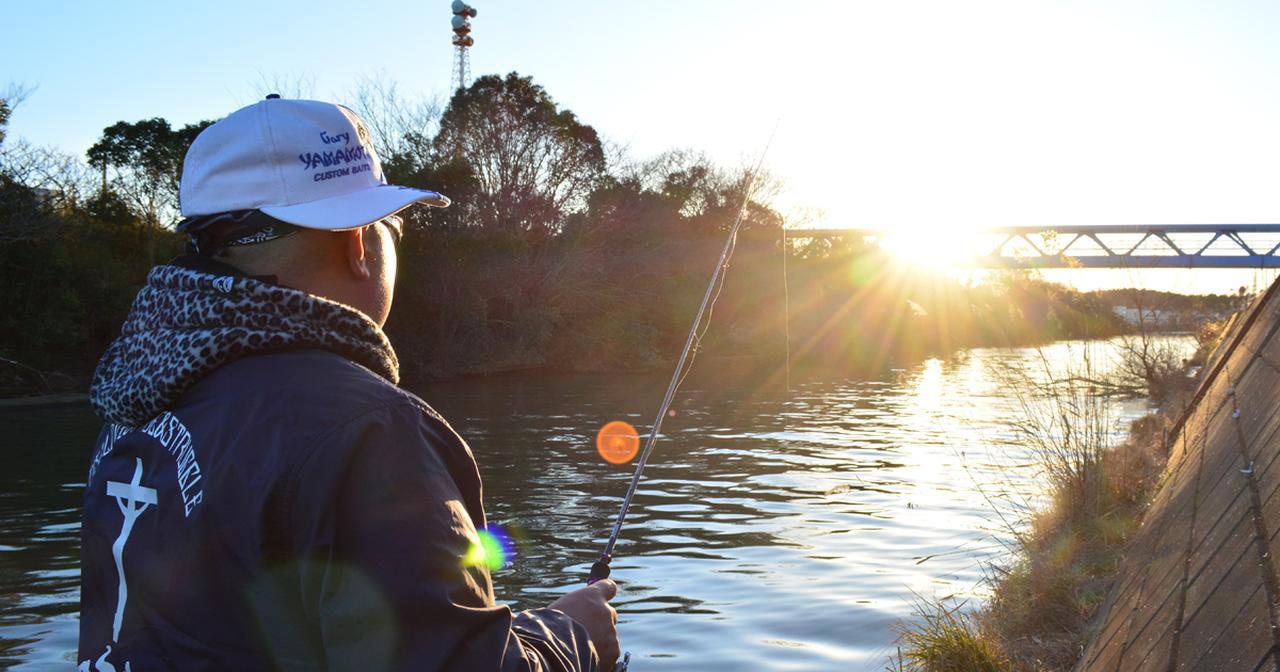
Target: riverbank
x=612, y=288
x=44, y=401
x=1065, y=556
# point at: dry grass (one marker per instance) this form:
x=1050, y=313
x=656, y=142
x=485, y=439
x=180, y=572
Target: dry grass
x=944, y=637
x=1066, y=553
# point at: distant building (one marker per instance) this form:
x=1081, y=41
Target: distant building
x=46, y=197
x=1149, y=316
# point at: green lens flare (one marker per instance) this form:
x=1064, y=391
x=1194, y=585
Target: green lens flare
x=488, y=552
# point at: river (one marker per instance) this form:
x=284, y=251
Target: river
x=774, y=529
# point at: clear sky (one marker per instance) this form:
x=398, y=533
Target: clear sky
x=929, y=117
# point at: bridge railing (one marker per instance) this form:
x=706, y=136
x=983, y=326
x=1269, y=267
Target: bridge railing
x=1112, y=246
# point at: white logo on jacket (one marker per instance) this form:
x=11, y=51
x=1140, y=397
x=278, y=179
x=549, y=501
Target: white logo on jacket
x=133, y=498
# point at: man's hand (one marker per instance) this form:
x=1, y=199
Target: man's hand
x=590, y=607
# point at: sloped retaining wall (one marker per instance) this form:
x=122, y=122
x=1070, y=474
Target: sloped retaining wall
x=1198, y=587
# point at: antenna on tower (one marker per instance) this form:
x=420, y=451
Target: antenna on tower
x=462, y=40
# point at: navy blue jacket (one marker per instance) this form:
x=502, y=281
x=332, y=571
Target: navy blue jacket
x=295, y=511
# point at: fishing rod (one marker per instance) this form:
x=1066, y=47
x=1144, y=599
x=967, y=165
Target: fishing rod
x=600, y=568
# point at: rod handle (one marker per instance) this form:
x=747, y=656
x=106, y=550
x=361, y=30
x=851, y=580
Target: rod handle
x=599, y=570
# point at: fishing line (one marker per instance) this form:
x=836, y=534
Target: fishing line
x=706, y=322
x=786, y=313
x=600, y=569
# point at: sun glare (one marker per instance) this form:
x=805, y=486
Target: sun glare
x=935, y=247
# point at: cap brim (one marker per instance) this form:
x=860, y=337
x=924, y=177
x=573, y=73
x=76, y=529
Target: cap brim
x=356, y=209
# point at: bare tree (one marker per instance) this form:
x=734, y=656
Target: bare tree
x=35, y=181
x=402, y=126
x=287, y=86
x=1148, y=363
x=61, y=178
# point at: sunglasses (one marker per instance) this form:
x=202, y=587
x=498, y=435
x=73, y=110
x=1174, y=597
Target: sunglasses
x=396, y=226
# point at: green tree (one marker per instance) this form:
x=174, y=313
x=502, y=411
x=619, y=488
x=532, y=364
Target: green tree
x=10, y=98
x=532, y=163
x=147, y=157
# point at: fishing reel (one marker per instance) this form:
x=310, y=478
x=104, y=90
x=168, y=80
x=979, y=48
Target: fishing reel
x=600, y=571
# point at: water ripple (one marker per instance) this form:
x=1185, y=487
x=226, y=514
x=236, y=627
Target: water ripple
x=760, y=516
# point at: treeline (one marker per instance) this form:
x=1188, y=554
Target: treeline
x=1154, y=310
x=559, y=252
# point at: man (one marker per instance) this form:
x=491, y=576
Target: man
x=263, y=496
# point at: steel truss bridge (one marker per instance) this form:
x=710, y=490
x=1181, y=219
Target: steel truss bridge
x=1112, y=246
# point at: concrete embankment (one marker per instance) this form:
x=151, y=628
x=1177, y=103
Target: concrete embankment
x=1198, y=587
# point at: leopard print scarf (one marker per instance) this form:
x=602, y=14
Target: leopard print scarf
x=186, y=323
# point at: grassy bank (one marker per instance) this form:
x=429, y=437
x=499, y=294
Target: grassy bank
x=1065, y=554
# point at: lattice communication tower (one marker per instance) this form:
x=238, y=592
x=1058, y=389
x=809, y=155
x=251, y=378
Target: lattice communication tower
x=462, y=41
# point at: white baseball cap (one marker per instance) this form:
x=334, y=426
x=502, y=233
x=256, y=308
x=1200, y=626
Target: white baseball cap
x=303, y=162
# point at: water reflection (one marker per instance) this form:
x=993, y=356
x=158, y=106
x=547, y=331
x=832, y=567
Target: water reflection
x=45, y=455
x=772, y=530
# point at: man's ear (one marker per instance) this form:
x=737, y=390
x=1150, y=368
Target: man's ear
x=356, y=259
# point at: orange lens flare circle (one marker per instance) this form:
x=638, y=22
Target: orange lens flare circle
x=618, y=442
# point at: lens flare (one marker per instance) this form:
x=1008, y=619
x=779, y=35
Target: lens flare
x=492, y=549
x=618, y=442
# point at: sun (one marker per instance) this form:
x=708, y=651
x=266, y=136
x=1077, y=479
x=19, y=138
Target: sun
x=937, y=247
